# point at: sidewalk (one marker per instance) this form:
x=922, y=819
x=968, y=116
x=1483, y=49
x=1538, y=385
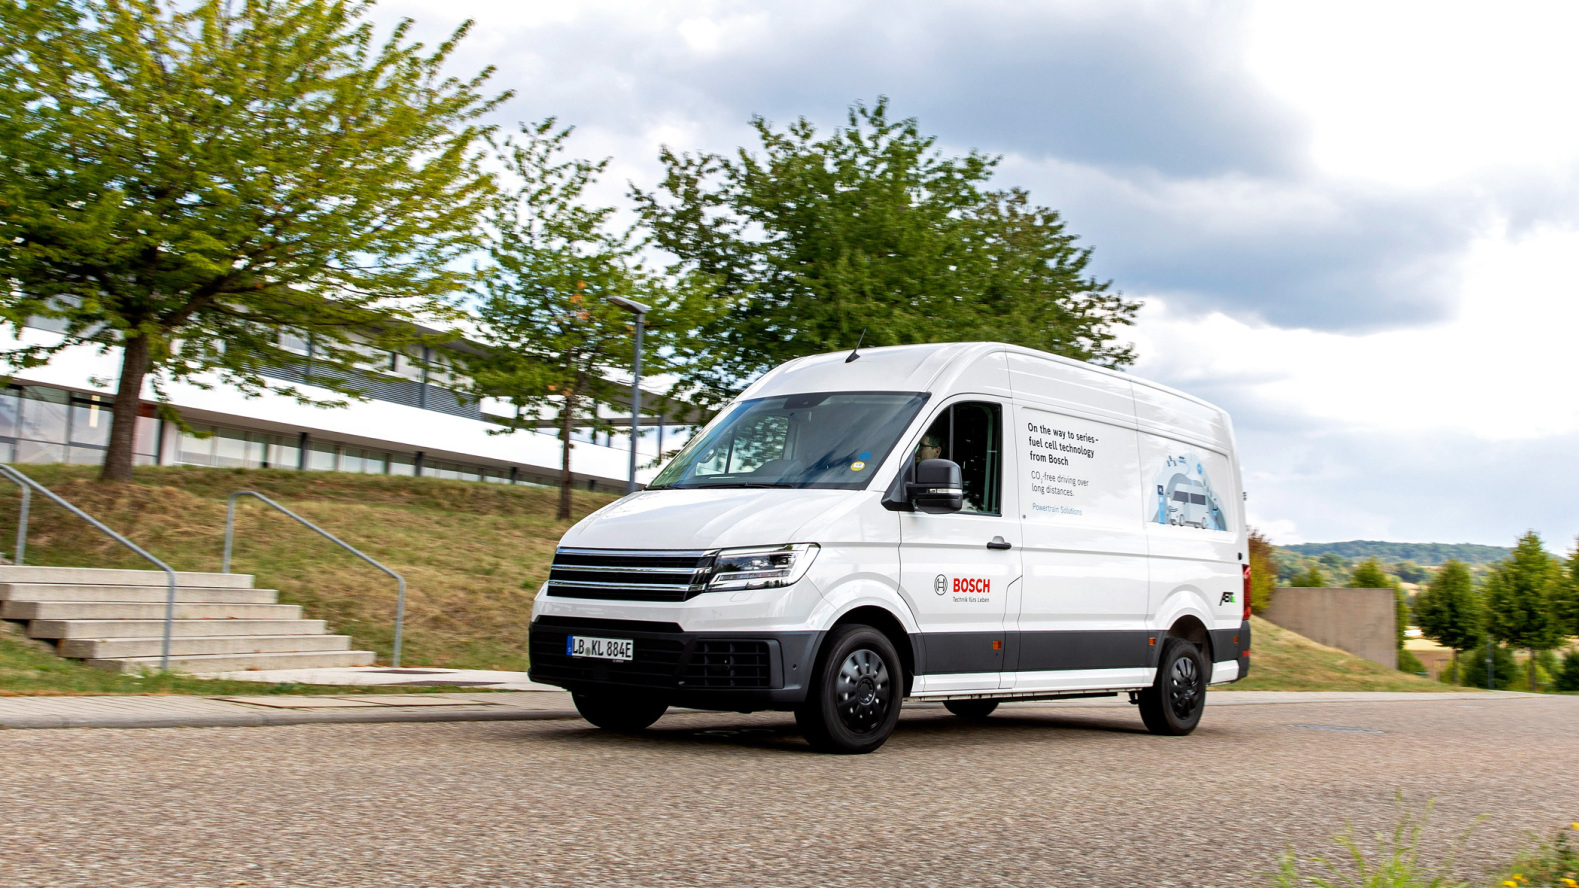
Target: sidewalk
x=277, y=709
x=246, y=711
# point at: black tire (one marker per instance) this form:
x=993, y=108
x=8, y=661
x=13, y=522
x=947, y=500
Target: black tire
x=853, y=701
x=971, y=710
x=626, y=713
x=1173, y=704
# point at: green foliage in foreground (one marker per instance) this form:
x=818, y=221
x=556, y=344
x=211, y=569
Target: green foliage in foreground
x=1397, y=860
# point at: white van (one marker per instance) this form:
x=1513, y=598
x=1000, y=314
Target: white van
x=963, y=522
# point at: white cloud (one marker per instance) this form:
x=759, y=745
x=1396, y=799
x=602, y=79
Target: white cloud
x=1422, y=92
x=1500, y=369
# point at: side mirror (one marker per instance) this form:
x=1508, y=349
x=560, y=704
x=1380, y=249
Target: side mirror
x=937, y=488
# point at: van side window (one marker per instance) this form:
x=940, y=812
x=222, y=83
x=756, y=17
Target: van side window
x=971, y=435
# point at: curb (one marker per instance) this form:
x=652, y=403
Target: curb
x=268, y=719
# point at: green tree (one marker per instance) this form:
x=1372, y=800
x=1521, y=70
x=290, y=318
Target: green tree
x=553, y=339
x=1565, y=597
x=1334, y=562
x=820, y=237
x=1312, y=578
x=1263, y=571
x=1410, y=572
x=1519, y=598
x=1449, y=612
x=183, y=182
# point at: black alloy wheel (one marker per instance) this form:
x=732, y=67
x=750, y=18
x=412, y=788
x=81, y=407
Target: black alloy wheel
x=1172, y=706
x=623, y=712
x=971, y=710
x=853, y=701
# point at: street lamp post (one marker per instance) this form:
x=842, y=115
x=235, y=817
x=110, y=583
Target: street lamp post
x=640, y=311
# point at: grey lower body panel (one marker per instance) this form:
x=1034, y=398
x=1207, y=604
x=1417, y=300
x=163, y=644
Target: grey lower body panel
x=948, y=653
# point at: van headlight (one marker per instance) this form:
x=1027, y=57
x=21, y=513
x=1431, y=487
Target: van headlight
x=761, y=568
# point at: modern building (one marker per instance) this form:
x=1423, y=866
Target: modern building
x=415, y=423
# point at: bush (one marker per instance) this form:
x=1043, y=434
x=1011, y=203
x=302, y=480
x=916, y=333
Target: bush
x=1568, y=677
x=1473, y=664
x=1408, y=662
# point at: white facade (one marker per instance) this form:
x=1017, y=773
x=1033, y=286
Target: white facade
x=57, y=413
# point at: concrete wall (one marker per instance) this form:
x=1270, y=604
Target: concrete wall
x=1363, y=622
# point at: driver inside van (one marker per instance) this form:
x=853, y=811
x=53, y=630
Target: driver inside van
x=931, y=447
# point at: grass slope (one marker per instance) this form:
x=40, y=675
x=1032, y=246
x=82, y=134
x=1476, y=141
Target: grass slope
x=1281, y=660
x=472, y=554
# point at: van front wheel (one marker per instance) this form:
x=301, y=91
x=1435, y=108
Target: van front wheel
x=1173, y=704
x=855, y=694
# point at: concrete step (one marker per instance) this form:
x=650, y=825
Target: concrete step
x=131, y=610
x=94, y=576
x=199, y=594
x=178, y=629
x=201, y=664
x=117, y=648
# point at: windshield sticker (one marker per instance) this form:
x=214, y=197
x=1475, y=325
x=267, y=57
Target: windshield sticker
x=1184, y=495
x=857, y=466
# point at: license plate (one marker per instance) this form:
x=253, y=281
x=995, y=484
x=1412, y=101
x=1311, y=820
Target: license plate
x=599, y=648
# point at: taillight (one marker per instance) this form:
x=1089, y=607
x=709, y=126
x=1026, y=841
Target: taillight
x=1247, y=593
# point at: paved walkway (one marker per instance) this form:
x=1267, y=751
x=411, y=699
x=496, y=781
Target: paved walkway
x=412, y=676
x=279, y=709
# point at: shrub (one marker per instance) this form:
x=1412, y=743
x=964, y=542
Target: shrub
x=1473, y=664
x=1408, y=662
x=1568, y=678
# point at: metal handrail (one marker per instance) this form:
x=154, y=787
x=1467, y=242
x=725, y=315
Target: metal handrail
x=21, y=545
x=400, y=600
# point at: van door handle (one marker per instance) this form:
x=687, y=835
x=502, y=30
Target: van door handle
x=999, y=542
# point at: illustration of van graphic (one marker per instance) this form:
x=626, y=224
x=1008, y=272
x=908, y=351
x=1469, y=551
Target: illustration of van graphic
x=1185, y=497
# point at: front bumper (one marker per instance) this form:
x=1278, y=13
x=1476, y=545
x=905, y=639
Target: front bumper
x=732, y=671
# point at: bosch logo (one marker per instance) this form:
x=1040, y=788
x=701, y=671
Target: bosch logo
x=940, y=585
x=972, y=585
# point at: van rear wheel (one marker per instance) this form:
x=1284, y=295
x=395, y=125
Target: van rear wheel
x=626, y=713
x=971, y=710
x=853, y=702
x=1172, y=706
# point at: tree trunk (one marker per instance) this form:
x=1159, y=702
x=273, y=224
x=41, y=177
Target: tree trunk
x=566, y=480
x=1532, y=668
x=128, y=403
x=1456, y=679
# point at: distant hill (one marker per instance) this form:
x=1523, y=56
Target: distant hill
x=1427, y=554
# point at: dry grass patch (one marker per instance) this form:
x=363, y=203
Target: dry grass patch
x=1281, y=660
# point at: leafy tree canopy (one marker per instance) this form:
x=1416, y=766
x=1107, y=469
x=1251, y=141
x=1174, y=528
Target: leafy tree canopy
x=1449, y=611
x=552, y=337
x=869, y=227
x=183, y=181
x=1368, y=574
x=1310, y=579
x=1519, y=598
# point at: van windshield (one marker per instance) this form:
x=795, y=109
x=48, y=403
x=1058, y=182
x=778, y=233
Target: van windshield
x=822, y=440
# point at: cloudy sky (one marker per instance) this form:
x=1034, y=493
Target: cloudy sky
x=1353, y=225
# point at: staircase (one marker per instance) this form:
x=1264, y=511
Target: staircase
x=114, y=619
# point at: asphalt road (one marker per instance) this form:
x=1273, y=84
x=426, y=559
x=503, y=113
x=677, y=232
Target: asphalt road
x=1037, y=796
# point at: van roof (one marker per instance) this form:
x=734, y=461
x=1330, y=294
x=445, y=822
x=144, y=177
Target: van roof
x=915, y=368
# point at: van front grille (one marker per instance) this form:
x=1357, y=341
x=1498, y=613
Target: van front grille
x=629, y=575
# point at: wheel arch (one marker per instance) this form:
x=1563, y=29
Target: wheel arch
x=888, y=623
x=1191, y=628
